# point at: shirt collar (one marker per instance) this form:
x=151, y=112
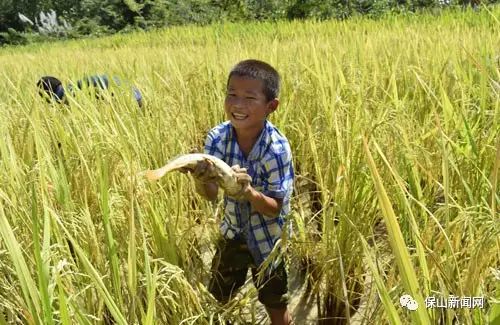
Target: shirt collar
x=261, y=143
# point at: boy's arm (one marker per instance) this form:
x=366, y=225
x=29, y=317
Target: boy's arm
x=279, y=171
x=262, y=203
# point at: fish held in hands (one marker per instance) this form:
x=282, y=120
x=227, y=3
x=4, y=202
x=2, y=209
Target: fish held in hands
x=225, y=175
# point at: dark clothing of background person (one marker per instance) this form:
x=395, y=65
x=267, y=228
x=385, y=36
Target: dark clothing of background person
x=53, y=87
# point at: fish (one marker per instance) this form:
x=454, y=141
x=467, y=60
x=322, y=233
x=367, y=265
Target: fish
x=226, y=176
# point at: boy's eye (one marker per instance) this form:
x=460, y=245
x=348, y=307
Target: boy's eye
x=249, y=97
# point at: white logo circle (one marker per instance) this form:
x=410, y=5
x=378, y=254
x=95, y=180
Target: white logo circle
x=408, y=302
x=412, y=305
x=404, y=300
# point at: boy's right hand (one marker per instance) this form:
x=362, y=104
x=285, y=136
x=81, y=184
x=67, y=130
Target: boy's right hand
x=204, y=172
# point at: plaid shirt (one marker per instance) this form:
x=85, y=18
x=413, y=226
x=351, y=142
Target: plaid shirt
x=269, y=163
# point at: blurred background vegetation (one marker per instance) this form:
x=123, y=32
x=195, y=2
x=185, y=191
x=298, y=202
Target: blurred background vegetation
x=26, y=21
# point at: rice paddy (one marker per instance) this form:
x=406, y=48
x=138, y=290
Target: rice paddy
x=394, y=127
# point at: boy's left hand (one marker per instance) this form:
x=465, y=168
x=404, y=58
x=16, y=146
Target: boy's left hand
x=245, y=180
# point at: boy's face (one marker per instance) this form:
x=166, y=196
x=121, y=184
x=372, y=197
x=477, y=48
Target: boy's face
x=246, y=104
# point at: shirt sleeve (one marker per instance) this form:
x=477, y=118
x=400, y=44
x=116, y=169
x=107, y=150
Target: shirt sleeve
x=278, y=170
x=137, y=94
x=213, y=144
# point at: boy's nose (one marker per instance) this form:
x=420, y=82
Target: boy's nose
x=237, y=103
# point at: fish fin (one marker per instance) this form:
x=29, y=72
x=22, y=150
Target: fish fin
x=152, y=175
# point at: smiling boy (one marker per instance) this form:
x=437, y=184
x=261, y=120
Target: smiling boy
x=253, y=220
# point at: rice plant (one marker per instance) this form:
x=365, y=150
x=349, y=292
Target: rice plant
x=394, y=126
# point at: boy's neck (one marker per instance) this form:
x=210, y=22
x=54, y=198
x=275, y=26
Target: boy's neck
x=247, y=138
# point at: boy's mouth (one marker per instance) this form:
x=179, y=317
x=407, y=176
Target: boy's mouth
x=238, y=116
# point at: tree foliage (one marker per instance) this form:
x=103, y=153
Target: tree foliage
x=109, y=16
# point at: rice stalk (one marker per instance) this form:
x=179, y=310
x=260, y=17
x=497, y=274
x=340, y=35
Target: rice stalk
x=110, y=241
x=28, y=287
x=96, y=278
x=396, y=240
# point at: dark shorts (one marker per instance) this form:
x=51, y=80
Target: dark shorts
x=229, y=271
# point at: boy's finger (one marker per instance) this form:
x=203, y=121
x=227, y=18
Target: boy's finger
x=210, y=170
x=243, y=178
x=200, y=168
x=184, y=170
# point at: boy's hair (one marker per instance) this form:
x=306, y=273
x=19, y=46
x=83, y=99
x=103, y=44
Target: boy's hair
x=259, y=70
x=51, y=86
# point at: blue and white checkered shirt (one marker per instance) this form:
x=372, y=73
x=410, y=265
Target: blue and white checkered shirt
x=269, y=163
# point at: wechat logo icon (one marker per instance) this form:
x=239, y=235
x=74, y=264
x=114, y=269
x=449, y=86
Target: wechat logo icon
x=408, y=302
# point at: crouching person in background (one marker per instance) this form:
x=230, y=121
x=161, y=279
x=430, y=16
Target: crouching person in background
x=53, y=90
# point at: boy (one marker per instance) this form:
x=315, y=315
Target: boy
x=54, y=89
x=254, y=219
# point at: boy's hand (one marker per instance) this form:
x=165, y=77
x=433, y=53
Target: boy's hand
x=245, y=180
x=204, y=172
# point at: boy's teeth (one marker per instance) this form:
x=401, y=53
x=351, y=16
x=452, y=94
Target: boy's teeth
x=239, y=116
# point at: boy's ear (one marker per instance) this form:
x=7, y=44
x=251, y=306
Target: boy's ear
x=272, y=105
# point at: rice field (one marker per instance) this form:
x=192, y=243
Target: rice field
x=394, y=127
